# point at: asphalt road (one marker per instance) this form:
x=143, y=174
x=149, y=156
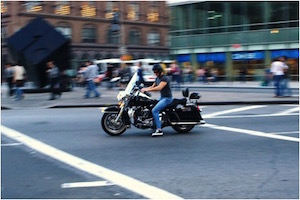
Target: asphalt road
x=242, y=152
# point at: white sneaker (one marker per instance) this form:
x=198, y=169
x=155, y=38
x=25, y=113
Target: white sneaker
x=157, y=133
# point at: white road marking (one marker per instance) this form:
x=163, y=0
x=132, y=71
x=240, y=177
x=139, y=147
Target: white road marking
x=283, y=133
x=231, y=111
x=289, y=111
x=86, y=184
x=249, y=116
x=11, y=144
x=251, y=132
x=144, y=189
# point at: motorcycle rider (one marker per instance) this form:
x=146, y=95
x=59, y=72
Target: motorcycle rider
x=162, y=84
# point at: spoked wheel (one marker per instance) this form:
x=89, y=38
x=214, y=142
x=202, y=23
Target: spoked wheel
x=183, y=128
x=112, y=127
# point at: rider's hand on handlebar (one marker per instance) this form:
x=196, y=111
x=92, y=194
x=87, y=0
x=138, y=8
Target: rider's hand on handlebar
x=144, y=90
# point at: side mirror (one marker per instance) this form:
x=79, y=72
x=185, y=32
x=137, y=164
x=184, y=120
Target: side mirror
x=185, y=92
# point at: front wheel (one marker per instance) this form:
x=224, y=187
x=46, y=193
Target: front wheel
x=112, y=127
x=183, y=128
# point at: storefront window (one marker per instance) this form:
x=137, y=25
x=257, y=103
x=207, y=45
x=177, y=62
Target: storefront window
x=248, y=66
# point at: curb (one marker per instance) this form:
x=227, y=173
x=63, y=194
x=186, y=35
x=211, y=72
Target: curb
x=199, y=103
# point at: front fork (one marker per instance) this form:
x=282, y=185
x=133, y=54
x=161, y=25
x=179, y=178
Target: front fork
x=120, y=113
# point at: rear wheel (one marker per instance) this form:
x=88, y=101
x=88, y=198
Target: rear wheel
x=183, y=128
x=112, y=127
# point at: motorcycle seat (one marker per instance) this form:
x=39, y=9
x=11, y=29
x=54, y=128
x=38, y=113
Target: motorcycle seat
x=176, y=102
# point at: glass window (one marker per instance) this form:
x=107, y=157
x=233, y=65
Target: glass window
x=153, y=14
x=215, y=16
x=33, y=6
x=186, y=14
x=255, y=15
x=237, y=16
x=294, y=10
x=294, y=14
x=4, y=7
x=88, y=9
x=89, y=34
x=3, y=32
x=111, y=7
x=135, y=36
x=65, y=29
x=200, y=15
x=62, y=8
x=112, y=38
x=133, y=11
x=279, y=13
x=153, y=38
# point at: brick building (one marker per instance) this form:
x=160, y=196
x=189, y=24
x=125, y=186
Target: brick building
x=142, y=31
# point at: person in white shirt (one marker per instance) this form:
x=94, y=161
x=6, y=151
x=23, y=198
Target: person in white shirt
x=18, y=80
x=277, y=68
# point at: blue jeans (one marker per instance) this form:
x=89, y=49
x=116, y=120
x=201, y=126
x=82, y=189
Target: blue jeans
x=286, y=90
x=163, y=102
x=91, y=87
x=278, y=85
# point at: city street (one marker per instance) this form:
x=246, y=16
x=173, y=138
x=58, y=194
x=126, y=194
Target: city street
x=244, y=151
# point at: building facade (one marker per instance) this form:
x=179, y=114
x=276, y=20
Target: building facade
x=141, y=28
x=232, y=36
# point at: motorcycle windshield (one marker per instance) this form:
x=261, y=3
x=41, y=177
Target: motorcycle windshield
x=131, y=83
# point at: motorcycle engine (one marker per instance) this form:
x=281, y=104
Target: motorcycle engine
x=143, y=118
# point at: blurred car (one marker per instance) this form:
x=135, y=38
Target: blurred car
x=148, y=75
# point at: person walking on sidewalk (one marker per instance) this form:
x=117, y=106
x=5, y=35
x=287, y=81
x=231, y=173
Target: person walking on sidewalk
x=18, y=80
x=54, y=76
x=277, y=68
x=91, y=73
x=9, y=76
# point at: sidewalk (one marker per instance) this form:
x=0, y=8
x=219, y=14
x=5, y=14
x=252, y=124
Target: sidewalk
x=222, y=93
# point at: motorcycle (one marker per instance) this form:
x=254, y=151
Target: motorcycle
x=135, y=109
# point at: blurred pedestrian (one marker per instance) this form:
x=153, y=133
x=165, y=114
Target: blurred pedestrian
x=9, y=76
x=243, y=74
x=286, y=90
x=54, y=77
x=201, y=74
x=91, y=73
x=176, y=73
x=140, y=74
x=277, y=69
x=19, y=80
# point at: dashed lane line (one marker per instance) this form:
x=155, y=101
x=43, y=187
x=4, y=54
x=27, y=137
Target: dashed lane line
x=251, y=132
x=136, y=186
x=232, y=111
